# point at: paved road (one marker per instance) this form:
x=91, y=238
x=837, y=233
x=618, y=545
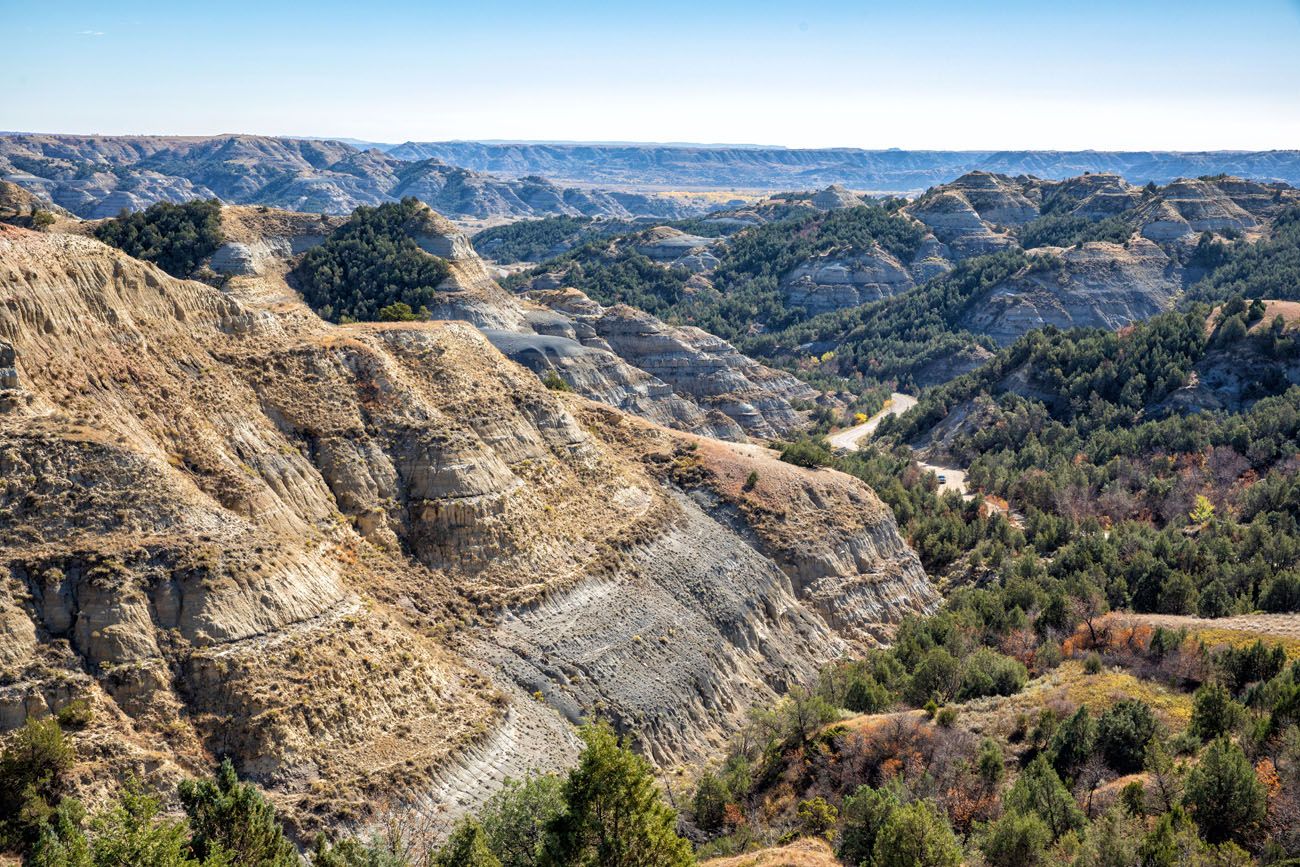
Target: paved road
x=899, y=403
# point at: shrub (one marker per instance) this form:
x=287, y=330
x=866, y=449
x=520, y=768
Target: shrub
x=466, y=847
x=75, y=714
x=946, y=717
x=916, y=835
x=555, y=382
x=615, y=816
x=936, y=677
x=1039, y=790
x=817, y=818
x=400, y=311
x=1073, y=743
x=42, y=219
x=1123, y=733
x=988, y=672
x=230, y=817
x=1092, y=663
x=515, y=818
x=176, y=238
x=1016, y=840
x=710, y=803
x=805, y=453
x=864, y=814
x=1281, y=594
x=1214, y=713
x=1224, y=796
x=989, y=763
x=32, y=769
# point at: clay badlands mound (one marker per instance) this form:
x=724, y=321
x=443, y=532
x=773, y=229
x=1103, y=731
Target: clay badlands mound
x=380, y=565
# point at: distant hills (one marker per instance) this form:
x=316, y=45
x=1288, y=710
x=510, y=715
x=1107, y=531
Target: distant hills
x=97, y=176
x=773, y=168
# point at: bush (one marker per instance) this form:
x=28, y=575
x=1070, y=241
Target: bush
x=232, y=818
x=864, y=814
x=805, y=453
x=1214, y=713
x=466, y=847
x=32, y=770
x=1224, y=796
x=515, y=818
x=710, y=803
x=1039, y=790
x=1016, y=840
x=946, y=717
x=75, y=714
x=1123, y=733
x=817, y=818
x=1073, y=744
x=177, y=238
x=555, y=382
x=1281, y=594
x=615, y=815
x=1092, y=663
x=916, y=835
x=936, y=678
x=988, y=672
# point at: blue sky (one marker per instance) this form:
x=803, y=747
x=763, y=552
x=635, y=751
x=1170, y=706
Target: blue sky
x=920, y=74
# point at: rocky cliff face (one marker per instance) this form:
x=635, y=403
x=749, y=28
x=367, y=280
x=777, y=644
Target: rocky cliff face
x=696, y=365
x=1098, y=285
x=348, y=556
x=98, y=176
x=680, y=377
x=835, y=280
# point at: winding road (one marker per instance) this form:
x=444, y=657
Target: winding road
x=953, y=479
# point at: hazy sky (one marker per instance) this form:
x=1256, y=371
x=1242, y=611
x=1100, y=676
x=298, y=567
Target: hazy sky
x=921, y=74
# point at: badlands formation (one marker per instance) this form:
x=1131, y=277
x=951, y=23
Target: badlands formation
x=381, y=565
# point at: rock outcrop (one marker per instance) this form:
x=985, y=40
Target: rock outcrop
x=696, y=365
x=348, y=556
x=1098, y=285
x=680, y=377
x=833, y=280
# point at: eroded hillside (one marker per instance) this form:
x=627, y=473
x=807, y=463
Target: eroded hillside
x=355, y=557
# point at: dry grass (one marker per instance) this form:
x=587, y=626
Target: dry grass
x=1283, y=629
x=801, y=853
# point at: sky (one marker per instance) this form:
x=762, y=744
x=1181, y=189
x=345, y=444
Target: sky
x=934, y=74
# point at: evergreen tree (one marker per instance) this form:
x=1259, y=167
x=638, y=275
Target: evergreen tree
x=1073, y=743
x=916, y=835
x=466, y=847
x=515, y=818
x=1214, y=713
x=863, y=815
x=1223, y=794
x=615, y=817
x=1039, y=790
x=1123, y=733
x=229, y=816
x=1016, y=840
